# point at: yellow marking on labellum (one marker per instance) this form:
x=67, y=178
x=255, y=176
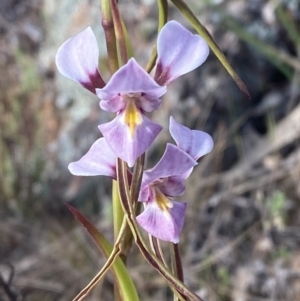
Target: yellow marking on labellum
x=162, y=201
x=133, y=116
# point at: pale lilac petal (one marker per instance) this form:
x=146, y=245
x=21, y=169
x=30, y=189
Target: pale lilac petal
x=132, y=79
x=147, y=104
x=114, y=105
x=195, y=143
x=77, y=59
x=164, y=225
x=173, y=186
x=178, y=214
x=179, y=52
x=119, y=138
x=117, y=103
x=173, y=162
x=145, y=194
x=99, y=160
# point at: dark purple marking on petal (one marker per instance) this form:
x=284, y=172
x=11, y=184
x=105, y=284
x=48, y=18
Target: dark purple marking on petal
x=96, y=82
x=161, y=74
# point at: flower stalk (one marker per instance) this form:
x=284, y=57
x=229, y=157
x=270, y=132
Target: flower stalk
x=176, y=262
x=118, y=213
x=110, y=37
x=120, y=36
x=162, y=20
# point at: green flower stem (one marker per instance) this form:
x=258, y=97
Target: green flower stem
x=162, y=13
x=148, y=255
x=176, y=261
x=137, y=179
x=127, y=41
x=110, y=37
x=185, y=10
x=113, y=65
x=176, y=265
x=152, y=60
x=118, y=213
x=162, y=20
x=121, y=41
x=157, y=249
x=134, y=193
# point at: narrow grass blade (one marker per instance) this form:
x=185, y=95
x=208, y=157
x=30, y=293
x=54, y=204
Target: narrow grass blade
x=122, y=277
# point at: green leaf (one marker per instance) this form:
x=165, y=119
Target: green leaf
x=123, y=279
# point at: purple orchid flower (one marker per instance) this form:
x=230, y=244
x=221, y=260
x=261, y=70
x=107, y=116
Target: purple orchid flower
x=162, y=217
x=131, y=91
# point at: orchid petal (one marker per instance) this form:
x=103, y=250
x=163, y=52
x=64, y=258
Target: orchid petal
x=117, y=103
x=114, y=104
x=195, y=143
x=145, y=194
x=129, y=145
x=164, y=225
x=77, y=59
x=173, y=162
x=173, y=186
x=132, y=79
x=178, y=214
x=148, y=104
x=179, y=52
x=99, y=160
